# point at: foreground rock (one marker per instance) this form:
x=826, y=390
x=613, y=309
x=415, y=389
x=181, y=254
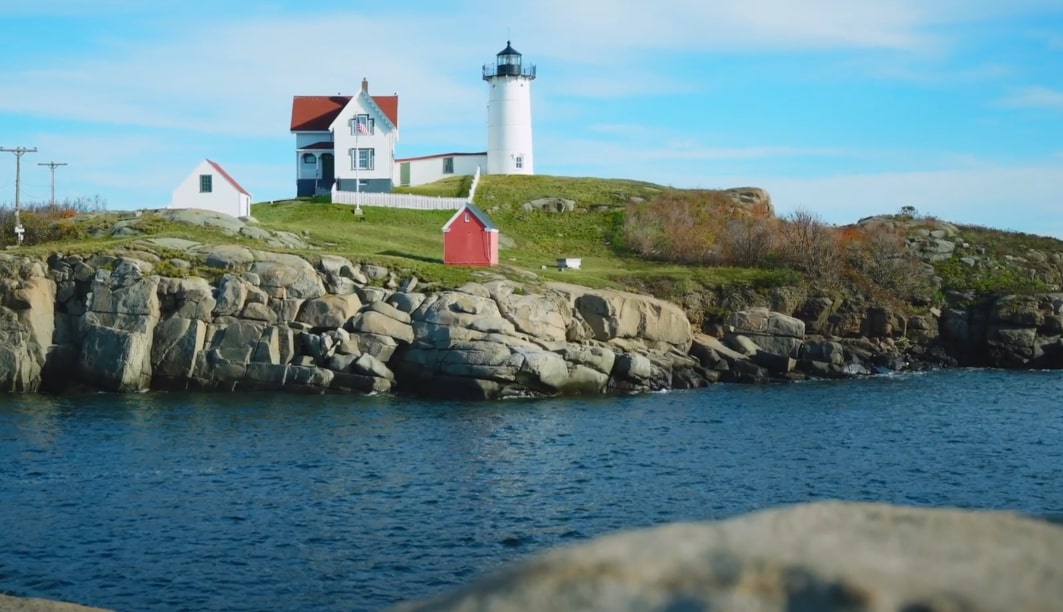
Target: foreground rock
x=17, y=604
x=815, y=557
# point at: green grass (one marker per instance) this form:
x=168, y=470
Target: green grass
x=998, y=243
x=412, y=241
x=512, y=191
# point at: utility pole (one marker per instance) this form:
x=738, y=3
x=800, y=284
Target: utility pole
x=19, y=152
x=52, y=166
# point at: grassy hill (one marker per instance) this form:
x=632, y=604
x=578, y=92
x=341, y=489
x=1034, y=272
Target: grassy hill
x=532, y=240
x=688, y=241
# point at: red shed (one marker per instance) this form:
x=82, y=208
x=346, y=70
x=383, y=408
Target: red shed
x=470, y=239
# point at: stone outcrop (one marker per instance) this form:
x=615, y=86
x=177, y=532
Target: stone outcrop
x=823, y=556
x=753, y=200
x=278, y=322
x=1011, y=331
x=26, y=323
x=275, y=321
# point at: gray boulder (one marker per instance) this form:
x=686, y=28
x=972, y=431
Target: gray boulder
x=621, y=315
x=329, y=311
x=772, y=332
x=550, y=205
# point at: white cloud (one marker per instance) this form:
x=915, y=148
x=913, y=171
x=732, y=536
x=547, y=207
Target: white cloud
x=1035, y=98
x=629, y=27
x=233, y=78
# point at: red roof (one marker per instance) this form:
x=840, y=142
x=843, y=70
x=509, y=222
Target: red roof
x=226, y=176
x=316, y=113
x=440, y=155
x=324, y=144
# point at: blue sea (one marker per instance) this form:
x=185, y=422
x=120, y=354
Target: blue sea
x=240, y=501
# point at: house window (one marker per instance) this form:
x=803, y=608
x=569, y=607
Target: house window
x=367, y=122
x=448, y=165
x=206, y=183
x=309, y=158
x=363, y=159
x=519, y=162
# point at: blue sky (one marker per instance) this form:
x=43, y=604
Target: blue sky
x=845, y=108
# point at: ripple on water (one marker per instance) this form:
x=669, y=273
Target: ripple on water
x=251, y=502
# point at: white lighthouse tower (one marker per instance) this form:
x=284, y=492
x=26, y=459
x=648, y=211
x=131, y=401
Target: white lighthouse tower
x=509, y=124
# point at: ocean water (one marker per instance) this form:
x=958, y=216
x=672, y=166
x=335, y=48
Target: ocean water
x=291, y=502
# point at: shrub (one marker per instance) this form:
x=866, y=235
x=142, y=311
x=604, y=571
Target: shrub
x=808, y=245
x=46, y=222
x=882, y=259
x=692, y=226
x=749, y=242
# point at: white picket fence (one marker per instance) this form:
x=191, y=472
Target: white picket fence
x=404, y=200
x=396, y=200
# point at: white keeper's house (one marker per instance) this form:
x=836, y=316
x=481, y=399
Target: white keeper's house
x=348, y=143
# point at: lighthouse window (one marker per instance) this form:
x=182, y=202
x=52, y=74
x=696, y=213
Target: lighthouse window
x=448, y=165
x=309, y=158
x=519, y=161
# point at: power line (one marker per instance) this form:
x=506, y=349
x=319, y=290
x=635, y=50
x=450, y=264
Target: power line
x=52, y=166
x=19, y=152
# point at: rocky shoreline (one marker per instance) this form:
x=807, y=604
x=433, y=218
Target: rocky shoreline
x=276, y=321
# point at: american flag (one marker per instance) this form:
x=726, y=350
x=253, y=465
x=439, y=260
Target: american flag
x=361, y=126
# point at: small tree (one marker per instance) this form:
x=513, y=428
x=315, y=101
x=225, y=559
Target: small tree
x=748, y=242
x=808, y=245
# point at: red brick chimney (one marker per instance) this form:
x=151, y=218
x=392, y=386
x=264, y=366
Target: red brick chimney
x=365, y=85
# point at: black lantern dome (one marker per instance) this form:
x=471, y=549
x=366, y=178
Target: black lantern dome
x=508, y=63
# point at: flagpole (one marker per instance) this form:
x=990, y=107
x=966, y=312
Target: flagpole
x=357, y=164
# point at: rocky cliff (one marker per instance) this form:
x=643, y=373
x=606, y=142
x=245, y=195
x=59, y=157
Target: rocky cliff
x=276, y=321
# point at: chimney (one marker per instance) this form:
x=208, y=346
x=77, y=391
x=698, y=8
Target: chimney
x=365, y=85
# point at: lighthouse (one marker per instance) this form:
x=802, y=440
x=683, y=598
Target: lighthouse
x=509, y=123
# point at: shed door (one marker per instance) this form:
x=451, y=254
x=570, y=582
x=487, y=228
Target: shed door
x=404, y=174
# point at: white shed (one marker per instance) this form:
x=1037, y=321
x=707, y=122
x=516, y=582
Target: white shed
x=210, y=187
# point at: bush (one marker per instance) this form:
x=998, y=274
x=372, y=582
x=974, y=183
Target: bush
x=882, y=259
x=45, y=222
x=808, y=245
x=693, y=227
x=749, y=242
